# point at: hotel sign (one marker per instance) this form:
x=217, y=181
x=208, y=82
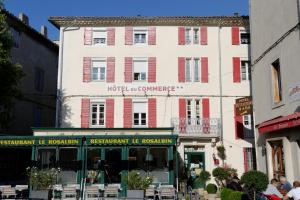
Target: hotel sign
x=145, y=88
x=294, y=92
x=243, y=106
x=89, y=141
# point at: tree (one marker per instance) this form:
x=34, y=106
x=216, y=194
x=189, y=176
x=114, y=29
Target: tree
x=10, y=74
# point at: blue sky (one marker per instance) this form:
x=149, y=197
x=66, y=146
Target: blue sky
x=38, y=11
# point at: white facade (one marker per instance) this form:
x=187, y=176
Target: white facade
x=167, y=90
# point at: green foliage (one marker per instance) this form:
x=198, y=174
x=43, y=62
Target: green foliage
x=211, y=188
x=204, y=176
x=225, y=193
x=41, y=179
x=135, y=182
x=10, y=74
x=235, y=195
x=254, y=182
x=220, y=173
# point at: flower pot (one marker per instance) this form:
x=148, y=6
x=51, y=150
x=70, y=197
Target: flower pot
x=211, y=196
x=39, y=194
x=135, y=194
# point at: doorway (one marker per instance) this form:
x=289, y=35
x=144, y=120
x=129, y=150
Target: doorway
x=113, y=165
x=277, y=158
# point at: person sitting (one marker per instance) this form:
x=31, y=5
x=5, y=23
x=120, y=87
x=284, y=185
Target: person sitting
x=272, y=188
x=285, y=185
x=234, y=183
x=294, y=192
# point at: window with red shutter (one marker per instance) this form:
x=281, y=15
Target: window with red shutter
x=203, y=35
x=128, y=35
x=85, y=113
x=110, y=70
x=128, y=69
x=88, y=34
x=151, y=112
x=181, y=35
x=109, y=113
x=152, y=69
x=235, y=35
x=127, y=113
x=206, y=115
x=181, y=69
x=204, y=69
x=236, y=69
x=152, y=35
x=182, y=115
x=87, y=62
x=110, y=36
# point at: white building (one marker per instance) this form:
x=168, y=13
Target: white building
x=157, y=78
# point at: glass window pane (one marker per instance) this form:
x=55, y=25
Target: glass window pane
x=46, y=158
x=137, y=160
x=158, y=165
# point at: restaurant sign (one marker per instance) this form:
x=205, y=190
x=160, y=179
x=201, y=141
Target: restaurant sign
x=243, y=106
x=88, y=141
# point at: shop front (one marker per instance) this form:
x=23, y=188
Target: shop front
x=110, y=157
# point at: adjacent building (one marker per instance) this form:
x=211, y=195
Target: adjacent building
x=276, y=86
x=38, y=57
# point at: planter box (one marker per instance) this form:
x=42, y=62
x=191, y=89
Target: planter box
x=39, y=194
x=212, y=196
x=135, y=194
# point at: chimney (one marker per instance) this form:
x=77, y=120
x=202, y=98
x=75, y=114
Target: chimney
x=24, y=18
x=44, y=31
x=236, y=14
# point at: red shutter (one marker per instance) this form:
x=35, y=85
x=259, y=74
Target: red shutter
x=182, y=116
x=235, y=35
x=236, y=69
x=128, y=70
x=87, y=64
x=239, y=127
x=127, y=113
x=110, y=70
x=110, y=36
x=128, y=35
x=88, y=35
x=85, y=113
x=181, y=69
x=152, y=35
x=152, y=113
x=204, y=70
x=152, y=69
x=203, y=35
x=205, y=115
x=181, y=35
x=245, y=159
x=109, y=105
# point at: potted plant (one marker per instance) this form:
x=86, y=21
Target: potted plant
x=41, y=180
x=93, y=176
x=254, y=182
x=212, y=191
x=200, y=182
x=136, y=185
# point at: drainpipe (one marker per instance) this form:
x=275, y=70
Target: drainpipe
x=60, y=74
x=220, y=83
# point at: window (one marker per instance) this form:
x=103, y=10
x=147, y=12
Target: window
x=249, y=159
x=39, y=79
x=188, y=36
x=245, y=70
x=192, y=72
x=196, y=36
x=245, y=38
x=140, y=36
x=16, y=35
x=140, y=68
x=277, y=89
x=140, y=113
x=98, y=70
x=99, y=37
x=98, y=114
x=247, y=121
x=193, y=111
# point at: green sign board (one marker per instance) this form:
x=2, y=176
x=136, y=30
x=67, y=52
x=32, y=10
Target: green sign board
x=58, y=141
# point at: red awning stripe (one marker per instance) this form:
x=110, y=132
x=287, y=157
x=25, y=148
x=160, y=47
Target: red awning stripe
x=280, y=123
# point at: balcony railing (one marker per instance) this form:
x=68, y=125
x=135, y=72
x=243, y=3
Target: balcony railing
x=202, y=127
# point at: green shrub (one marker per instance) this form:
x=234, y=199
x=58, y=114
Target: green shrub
x=254, y=182
x=225, y=193
x=204, y=176
x=235, y=195
x=211, y=188
x=135, y=182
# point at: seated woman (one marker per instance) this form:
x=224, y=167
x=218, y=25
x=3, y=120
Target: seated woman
x=272, y=188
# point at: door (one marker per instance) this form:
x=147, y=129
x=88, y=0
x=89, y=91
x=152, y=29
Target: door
x=277, y=159
x=113, y=165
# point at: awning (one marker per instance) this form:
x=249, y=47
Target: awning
x=279, y=123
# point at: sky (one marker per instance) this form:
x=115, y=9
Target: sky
x=39, y=11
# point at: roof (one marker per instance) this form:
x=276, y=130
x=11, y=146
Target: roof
x=279, y=123
x=60, y=21
x=15, y=22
